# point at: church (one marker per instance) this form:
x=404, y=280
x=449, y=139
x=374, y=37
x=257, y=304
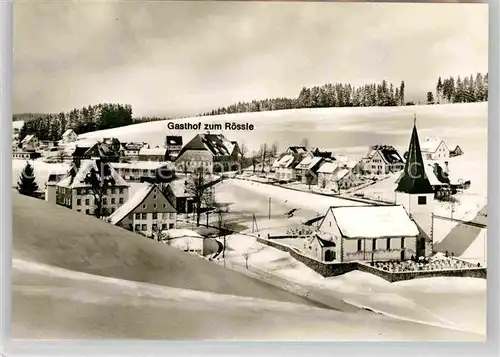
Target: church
x=382, y=232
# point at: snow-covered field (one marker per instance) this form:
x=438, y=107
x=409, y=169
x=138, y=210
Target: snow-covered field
x=458, y=303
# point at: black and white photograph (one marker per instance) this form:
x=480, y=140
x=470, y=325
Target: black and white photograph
x=249, y=171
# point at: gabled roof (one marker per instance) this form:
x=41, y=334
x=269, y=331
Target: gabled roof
x=431, y=144
x=328, y=167
x=414, y=179
x=68, y=132
x=324, y=242
x=27, y=139
x=340, y=173
x=389, y=154
x=378, y=222
x=297, y=149
x=139, y=197
x=102, y=149
x=76, y=176
x=310, y=163
x=215, y=144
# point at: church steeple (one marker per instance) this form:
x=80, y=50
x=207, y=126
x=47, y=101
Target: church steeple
x=414, y=179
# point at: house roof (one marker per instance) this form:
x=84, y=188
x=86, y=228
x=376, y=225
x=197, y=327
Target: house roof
x=153, y=151
x=388, y=153
x=310, y=162
x=131, y=204
x=297, y=149
x=173, y=140
x=76, y=176
x=27, y=138
x=215, y=144
x=378, y=222
x=68, y=132
x=324, y=242
x=285, y=161
x=102, y=149
x=328, y=167
x=414, y=179
x=430, y=144
x=340, y=173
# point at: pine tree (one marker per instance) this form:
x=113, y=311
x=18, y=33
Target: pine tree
x=402, y=92
x=439, y=90
x=27, y=184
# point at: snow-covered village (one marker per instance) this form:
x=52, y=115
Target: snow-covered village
x=362, y=215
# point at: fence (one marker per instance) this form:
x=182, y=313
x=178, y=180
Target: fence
x=334, y=269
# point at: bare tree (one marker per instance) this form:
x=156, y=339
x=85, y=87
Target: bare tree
x=100, y=180
x=273, y=151
x=242, y=157
x=309, y=178
x=264, y=152
x=255, y=160
x=198, y=187
x=305, y=143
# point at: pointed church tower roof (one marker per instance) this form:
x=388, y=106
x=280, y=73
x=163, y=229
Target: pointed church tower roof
x=414, y=179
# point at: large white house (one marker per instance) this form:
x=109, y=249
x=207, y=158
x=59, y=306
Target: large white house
x=73, y=192
x=387, y=233
x=30, y=143
x=148, y=211
x=382, y=159
x=434, y=149
x=69, y=136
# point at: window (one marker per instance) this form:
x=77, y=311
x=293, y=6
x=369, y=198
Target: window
x=113, y=191
x=78, y=191
x=164, y=226
x=144, y=227
x=121, y=191
x=78, y=202
x=388, y=241
x=402, y=242
x=330, y=223
x=137, y=227
x=131, y=216
x=154, y=197
x=120, y=200
x=87, y=211
x=374, y=244
x=422, y=200
x=105, y=201
x=87, y=202
x=78, y=210
x=155, y=215
x=164, y=205
x=137, y=216
x=154, y=206
x=171, y=226
x=113, y=201
x=155, y=227
x=144, y=216
x=144, y=206
x=359, y=245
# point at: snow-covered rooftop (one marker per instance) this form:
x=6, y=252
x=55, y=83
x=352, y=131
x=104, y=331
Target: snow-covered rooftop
x=141, y=165
x=67, y=132
x=27, y=139
x=328, y=167
x=125, y=209
x=153, y=151
x=284, y=161
x=340, y=174
x=378, y=222
x=430, y=144
x=86, y=165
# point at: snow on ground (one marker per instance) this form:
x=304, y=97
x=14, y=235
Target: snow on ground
x=42, y=170
x=423, y=300
x=346, y=127
x=124, y=309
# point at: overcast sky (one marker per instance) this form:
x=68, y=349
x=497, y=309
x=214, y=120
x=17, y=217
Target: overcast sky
x=183, y=58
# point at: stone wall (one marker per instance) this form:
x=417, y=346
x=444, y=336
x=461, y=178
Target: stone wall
x=334, y=269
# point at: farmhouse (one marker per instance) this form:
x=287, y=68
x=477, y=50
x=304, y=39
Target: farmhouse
x=284, y=167
x=212, y=152
x=344, y=178
x=154, y=154
x=382, y=159
x=30, y=143
x=307, y=169
x=176, y=192
x=387, y=233
x=434, y=149
x=69, y=136
x=148, y=211
x=173, y=144
x=73, y=192
x=326, y=173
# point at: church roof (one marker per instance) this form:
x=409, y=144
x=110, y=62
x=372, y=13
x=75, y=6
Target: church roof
x=414, y=179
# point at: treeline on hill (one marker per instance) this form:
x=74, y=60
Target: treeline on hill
x=91, y=118
x=461, y=90
x=328, y=95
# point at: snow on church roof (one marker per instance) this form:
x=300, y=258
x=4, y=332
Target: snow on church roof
x=378, y=222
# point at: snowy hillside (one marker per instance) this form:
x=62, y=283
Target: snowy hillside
x=333, y=127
